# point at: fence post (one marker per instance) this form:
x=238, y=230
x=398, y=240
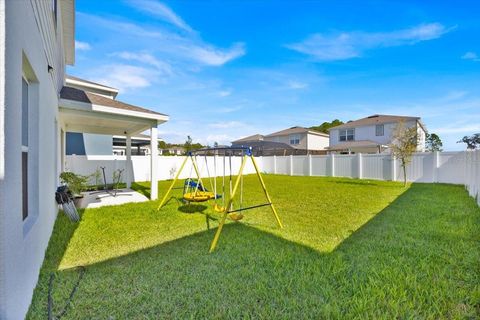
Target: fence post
x=309, y=165
x=291, y=165
x=436, y=162
x=332, y=164
x=274, y=164
x=359, y=166
x=393, y=168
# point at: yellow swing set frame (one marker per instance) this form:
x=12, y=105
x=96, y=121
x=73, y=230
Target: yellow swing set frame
x=199, y=196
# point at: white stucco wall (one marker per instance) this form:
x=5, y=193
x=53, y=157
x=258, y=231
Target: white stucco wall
x=23, y=243
x=316, y=142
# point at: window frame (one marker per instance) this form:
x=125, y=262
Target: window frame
x=25, y=147
x=294, y=139
x=347, y=134
x=382, y=126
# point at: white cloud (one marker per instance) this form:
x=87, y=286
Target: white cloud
x=219, y=138
x=124, y=77
x=226, y=124
x=146, y=58
x=225, y=93
x=457, y=129
x=294, y=84
x=186, y=48
x=347, y=45
x=228, y=109
x=121, y=27
x=470, y=56
x=211, y=56
x=80, y=45
x=161, y=11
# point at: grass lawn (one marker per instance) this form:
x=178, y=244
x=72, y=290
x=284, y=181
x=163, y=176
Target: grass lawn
x=349, y=249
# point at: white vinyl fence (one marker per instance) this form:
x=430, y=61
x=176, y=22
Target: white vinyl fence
x=167, y=166
x=445, y=167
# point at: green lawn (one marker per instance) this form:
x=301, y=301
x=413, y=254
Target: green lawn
x=349, y=249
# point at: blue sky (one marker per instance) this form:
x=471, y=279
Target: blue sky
x=227, y=69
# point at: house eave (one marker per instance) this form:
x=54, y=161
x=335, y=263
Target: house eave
x=68, y=29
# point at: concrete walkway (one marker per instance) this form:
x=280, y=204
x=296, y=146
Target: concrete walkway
x=97, y=199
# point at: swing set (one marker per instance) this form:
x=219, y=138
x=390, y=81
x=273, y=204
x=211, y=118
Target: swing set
x=194, y=190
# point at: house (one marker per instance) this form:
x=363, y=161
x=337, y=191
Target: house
x=174, y=150
x=38, y=106
x=372, y=134
x=294, y=140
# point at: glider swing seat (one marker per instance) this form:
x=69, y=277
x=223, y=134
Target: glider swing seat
x=194, y=189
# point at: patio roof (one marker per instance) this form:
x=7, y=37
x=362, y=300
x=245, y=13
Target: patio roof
x=87, y=112
x=83, y=111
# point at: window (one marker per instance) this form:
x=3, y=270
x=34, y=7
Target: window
x=24, y=148
x=379, y=130
x=347, y=135
x=55, y=12
x=294, y=139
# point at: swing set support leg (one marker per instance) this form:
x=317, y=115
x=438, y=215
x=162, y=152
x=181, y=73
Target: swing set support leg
x=225, y=213
x=172, y=184
x=266, y=192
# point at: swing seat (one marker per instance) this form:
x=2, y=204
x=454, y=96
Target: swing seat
x=218, y=208
x=235, y=216
x=199, y=196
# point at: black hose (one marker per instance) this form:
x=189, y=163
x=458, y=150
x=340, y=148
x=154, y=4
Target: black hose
x=70, y=297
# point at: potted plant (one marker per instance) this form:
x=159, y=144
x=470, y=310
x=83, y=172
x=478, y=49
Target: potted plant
x=76, y=183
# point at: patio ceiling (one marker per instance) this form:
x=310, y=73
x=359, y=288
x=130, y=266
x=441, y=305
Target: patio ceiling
x=86, y=112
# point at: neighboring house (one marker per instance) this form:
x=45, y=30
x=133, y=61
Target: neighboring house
x=372, y=134
x=175, y=150
x=295, y=138
x=38, y=105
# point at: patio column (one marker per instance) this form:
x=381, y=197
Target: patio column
x=128, y=166
x=153, y=163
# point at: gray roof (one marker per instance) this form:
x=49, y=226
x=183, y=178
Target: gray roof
x=255, y=137
x=263, y=145
x=78, y=95
x=375, y=119
x=294, y=130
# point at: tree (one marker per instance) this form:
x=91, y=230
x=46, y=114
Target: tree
x=404, y=144
x=434, y=143
x=215, y=144
x=162, y=145
x=327, y=125
x=473, y=142
x=188, y=144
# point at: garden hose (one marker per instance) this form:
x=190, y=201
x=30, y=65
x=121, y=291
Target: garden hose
x=81, y=272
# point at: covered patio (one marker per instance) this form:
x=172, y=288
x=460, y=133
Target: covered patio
x=86, y=112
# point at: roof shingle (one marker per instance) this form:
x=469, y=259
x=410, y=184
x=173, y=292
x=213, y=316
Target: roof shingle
x=78, y=95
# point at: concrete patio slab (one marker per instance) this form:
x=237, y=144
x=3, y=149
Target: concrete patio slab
x=97, y=199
